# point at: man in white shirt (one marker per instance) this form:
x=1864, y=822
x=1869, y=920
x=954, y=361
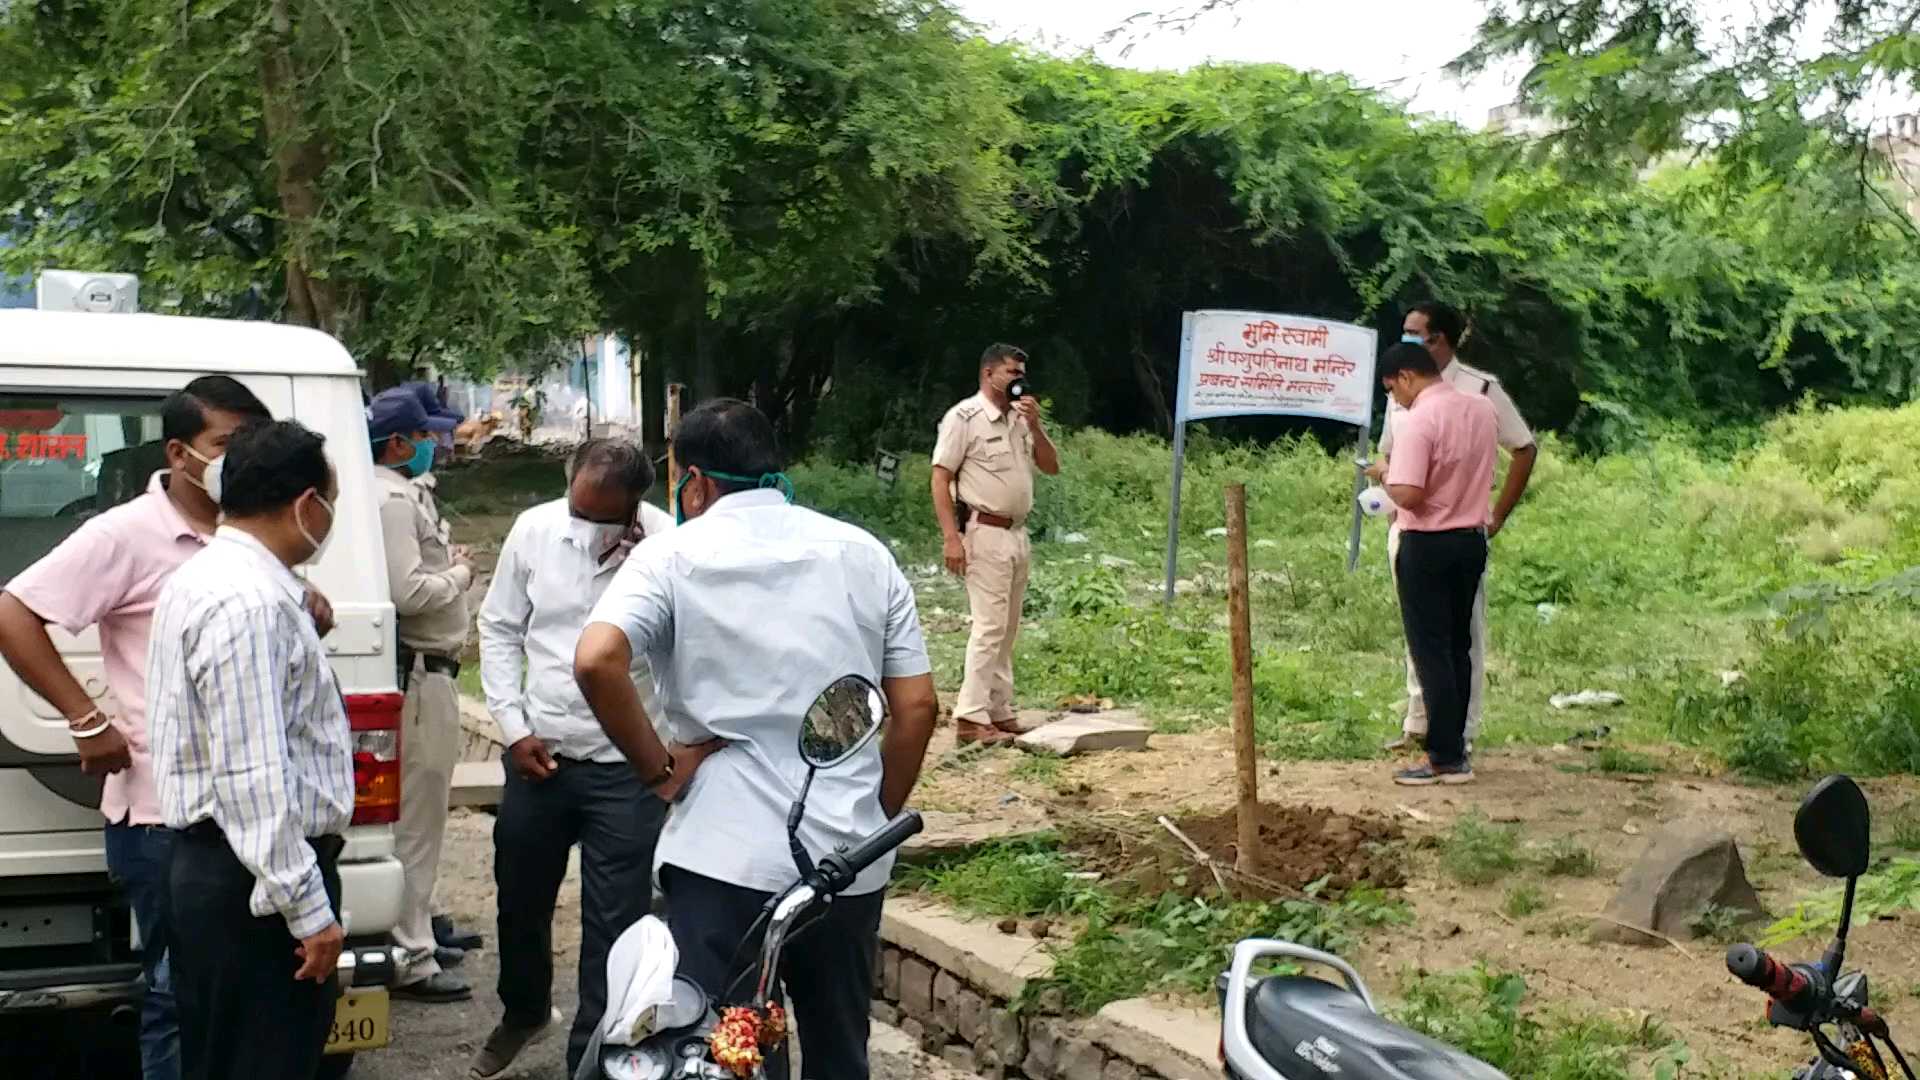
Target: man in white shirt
x=566, y=782
x=254, y=770
x=746, y=612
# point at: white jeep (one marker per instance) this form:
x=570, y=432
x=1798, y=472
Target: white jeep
x=67, y=943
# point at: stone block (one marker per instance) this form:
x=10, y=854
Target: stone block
x=1006, y=1037
x=1044, y=1036
x=1172, y=1041
x=890, y=974
x=945, y=989
x=477, y=784
x=1119, y=1068
x=1087, y=734
x=914, y=1030
x=956, y=834
x=916, y=988
x=1687, y=867
x=884, y=1013
x=973, y=950
x=969, y=1016
x=1079, y=1059
x=960, y=1057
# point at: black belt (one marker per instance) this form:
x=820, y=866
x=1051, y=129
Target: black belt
x=327, y=847
x=436, y=665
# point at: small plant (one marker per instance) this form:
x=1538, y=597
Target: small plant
x=1613, y=759
x=1524, y=900
x=1903, y=827
x=1721, y=924
x=1477, y=852
x=1894, y=888
x=1015, y=877
x=1567, y=857
x=1037, y=769
x=1480, y=1012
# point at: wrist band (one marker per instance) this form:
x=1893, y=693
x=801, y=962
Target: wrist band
x=87, y=733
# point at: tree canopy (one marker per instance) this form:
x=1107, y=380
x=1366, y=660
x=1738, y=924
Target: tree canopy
x=832, y=207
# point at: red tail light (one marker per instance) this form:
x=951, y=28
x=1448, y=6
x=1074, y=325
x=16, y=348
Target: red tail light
x=375, y=722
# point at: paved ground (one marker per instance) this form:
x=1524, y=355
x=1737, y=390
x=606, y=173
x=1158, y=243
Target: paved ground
x=437, y=1042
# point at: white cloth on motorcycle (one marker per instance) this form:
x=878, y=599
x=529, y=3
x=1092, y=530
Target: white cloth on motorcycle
x=640, y=969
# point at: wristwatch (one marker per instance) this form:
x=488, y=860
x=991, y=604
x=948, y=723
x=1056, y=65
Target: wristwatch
x=665, y=774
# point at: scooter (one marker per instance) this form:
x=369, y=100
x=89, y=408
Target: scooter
x=1833, y=829
x=1290, y=1027
x=674, y=1030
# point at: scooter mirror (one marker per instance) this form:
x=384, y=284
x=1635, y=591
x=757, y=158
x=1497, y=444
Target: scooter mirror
x=1833, y=827
x=842, y=720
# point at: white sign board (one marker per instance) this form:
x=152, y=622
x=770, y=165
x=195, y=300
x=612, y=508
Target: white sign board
x=1250, y=363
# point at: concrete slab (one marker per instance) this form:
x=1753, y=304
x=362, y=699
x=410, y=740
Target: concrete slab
x=480, y=736
x=976, y=950
x=478, y=784
x=1174, y=1041
x=1033, y=719
x=1087, y=734
x=951, y=834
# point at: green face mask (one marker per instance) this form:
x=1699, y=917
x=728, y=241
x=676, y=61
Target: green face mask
x=765, y=481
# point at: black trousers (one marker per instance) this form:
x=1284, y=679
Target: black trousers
x=1438, y=574
x=827, y=969
x=242, y=1014
x=616, y=821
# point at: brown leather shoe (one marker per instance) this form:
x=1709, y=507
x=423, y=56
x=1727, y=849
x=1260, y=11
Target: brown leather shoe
x=1010, y=726
x=967, y=732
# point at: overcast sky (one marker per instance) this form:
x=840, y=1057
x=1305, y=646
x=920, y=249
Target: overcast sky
x=1399, y=46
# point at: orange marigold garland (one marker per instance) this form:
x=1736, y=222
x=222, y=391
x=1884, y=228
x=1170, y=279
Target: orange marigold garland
x=737, y=1039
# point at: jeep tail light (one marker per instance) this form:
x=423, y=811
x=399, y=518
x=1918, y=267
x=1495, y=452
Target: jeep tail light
x=375, y=723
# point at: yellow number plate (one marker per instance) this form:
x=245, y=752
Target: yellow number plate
x=359, y=1021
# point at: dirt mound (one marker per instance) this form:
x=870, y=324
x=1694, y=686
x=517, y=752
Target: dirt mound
x=1299, y=845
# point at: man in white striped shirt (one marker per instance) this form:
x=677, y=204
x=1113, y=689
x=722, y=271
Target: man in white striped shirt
x=252, y=760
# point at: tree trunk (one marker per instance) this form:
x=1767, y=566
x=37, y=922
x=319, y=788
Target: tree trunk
x=1149, y=383
x=298, y=162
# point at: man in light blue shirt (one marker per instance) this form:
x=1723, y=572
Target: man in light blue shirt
x=746, y=613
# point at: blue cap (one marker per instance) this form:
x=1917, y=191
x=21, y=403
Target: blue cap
x=429, y=399
x=398, y=412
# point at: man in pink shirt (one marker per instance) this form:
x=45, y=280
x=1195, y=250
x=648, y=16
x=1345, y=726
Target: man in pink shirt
x=109, y=574
x=1439, y=476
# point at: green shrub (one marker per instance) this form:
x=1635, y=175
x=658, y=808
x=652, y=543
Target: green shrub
x=1476, y=852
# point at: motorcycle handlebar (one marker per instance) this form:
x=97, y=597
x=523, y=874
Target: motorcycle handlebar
x=1754, y=967
x=840, y=869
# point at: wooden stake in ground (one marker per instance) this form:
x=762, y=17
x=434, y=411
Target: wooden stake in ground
x=672, y=428
x=1240, y=625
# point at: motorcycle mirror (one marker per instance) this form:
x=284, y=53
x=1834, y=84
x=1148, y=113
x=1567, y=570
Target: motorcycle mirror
x=842, y=720
x=1833, y=827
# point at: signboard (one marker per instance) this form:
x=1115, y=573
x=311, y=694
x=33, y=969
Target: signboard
x=1252, y=363
x=1247, y=363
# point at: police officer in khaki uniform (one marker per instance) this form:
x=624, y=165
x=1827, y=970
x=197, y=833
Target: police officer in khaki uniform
x=429, y=579
x=984, y=459
x=1441, y=327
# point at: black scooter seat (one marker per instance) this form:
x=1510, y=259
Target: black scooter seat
x=1312, y=1030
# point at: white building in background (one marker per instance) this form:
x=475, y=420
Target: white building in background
x=1901, y=145
x=597, y=390
x=1520, y=120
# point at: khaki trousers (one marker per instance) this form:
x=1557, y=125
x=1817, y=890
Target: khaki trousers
x=429, y=747
x=997, y=563
x=1416, y=721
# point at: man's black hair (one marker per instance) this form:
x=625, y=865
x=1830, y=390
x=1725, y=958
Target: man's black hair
x=183, y=415
x=1445, y=320
x=730, y=436
x=999, y=351
x=269, y=465
x=619, y=462
x=1406, y=356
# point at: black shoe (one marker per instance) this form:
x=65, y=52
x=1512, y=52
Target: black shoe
x=449, y=958
x=445, y=934
x=439, y=988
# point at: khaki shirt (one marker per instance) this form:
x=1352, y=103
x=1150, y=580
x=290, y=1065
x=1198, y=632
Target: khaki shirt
x=990, y=454
x=429, y=591
x=1513, y=431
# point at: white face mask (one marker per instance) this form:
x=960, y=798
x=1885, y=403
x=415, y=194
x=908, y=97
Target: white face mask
x=209, y=480
x=600, y=540
x=319, y=545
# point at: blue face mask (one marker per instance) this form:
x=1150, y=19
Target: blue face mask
x=422, y=460
x=774, y=480
x=1412, y=339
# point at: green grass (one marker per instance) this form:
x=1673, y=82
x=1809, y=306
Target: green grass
x=1477, y=852
x=1659, y=563
x=1612, y=759
x=1524, y=900
x=1037, y=768
x=1567, y=857
x=1024, y=877
x=1481, y=1012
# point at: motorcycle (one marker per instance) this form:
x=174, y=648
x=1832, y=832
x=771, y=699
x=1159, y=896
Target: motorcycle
x=661, y=1028
x=1291, y=1027
x=1833, y=828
